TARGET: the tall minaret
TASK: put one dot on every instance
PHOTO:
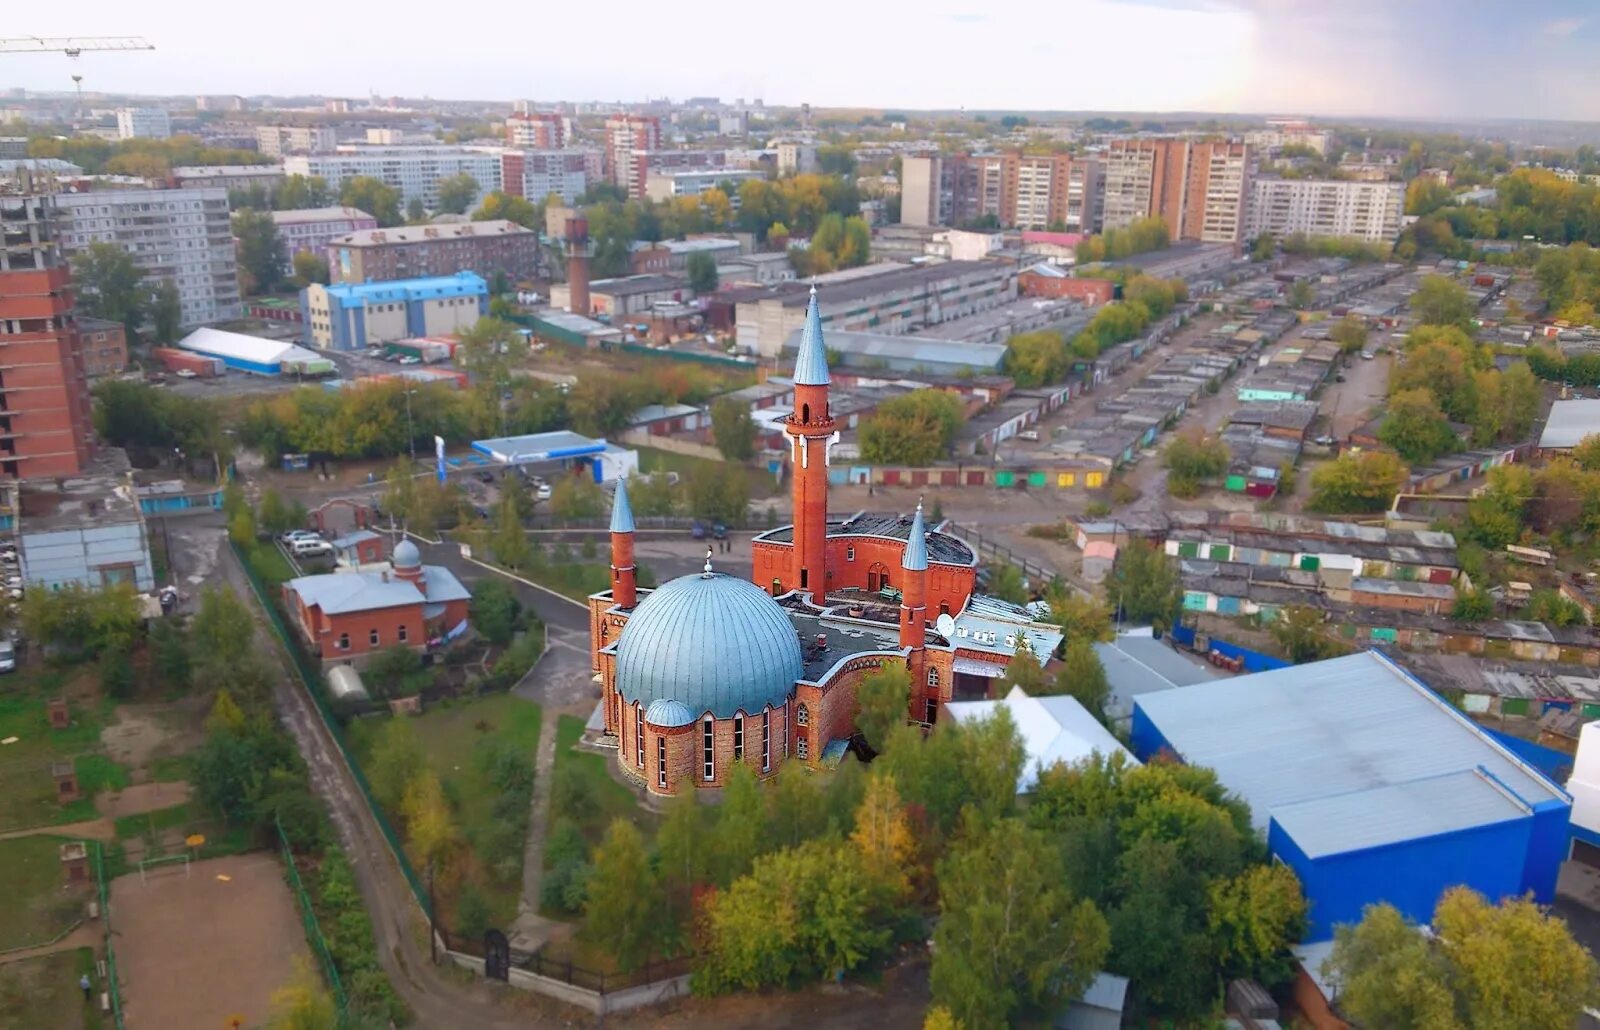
(810, 427)
(624, 586)
(914, 603)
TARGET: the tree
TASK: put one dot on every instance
(1191, 458)
(300, 191)
(456, 193)
(416, 211)
(1393, 975)
(732, 429)
(702, 272)
(110, 286)
(169, 654)
(1253, 917)
(1350, 333)
(1078, 615)
(1302, 294)
(623, 913)
(1357, 482)
(226, 716)
(397, 757)
(915, 428)
(1145, 584)
(1264, 247)
(396, 671)
(494, 610)
(261, 255)
(79, 621)
(1416, 428)
(1023, 670)
(499, 205)
(683, 852)
(429, 829)
(273, 513)
(166, 313)
(1299, 632)
(1082, 676)
(310, 268)
(577, 497)
(223, 632)
(1472, 606)
(882, 700)
(1011, 940)
(883, 839)
(1038, 358)
(372, 196)
(1446, 371)
(719, 493)
(303, 1003)
(1442, 301)
(738, 836)
(510, 540)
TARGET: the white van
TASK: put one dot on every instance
(305, 548)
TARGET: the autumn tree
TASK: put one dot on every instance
(1416, 428)
(1083, 676)
(429, 829)
(1145, 584)
(732, 429)
(1440, 300)
(1191, 458)
(1037, 358)
(916, 428)
(719, 493)
(110, 285)
(1299, 631)
(510, 539)
(1357, 482)
(1253, 917)
(702, 271)
(166, 313)
(881, 703)
(623, 913)
(310, 268)
(261, 254)
(456, 193)
(498, 205)
(371, 195)
(1025, 671)
(1350, 333)
(223, 633)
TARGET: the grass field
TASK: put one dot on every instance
(38, 907)
(607, 798)
(27, 791)
(43, 993)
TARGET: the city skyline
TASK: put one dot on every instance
(1364, 58)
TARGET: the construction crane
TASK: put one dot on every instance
(72, 46)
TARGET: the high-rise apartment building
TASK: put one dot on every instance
(282, 140)
(143, 123)
(1198, 187)
(184, 236)
(535, 174)
(310, 230)
(45, 427)
(414, 171)
(632, 175)
(536, 131)
(626, 133)
(1326, 207)
(920, 179)
(796, 157)
(1086, 196)
(1027, 191)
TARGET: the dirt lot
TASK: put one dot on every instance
(197, 950)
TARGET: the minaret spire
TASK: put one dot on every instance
(624, 579)
(810, 428)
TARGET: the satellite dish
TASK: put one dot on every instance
(945, 625)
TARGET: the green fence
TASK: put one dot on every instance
(105, 920)
(308, 918)
(311, 678)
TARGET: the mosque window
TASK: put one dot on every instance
(933, 677)
(849, 554)
(344, 641)
(738, 738)
(932, 712)
(805, 413)
(403, 633)
(638, 732)
(803, 716)
(708, 757)
(661, 762)
(801, 751)
(766, 740)
(372, 637)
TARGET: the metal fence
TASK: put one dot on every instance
(308, 919)
(105, 920)
(311, 677)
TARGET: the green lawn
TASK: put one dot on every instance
(27, 791)
(37, 905)
(762, 483)
(43, 992)
(607, 798)
(269, 564)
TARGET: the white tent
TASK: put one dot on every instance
(1053, 729)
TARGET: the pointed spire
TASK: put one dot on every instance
(916, 557)
(621, 510)
(811, 365)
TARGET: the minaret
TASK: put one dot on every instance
(914, 602)
(624, 588)
(809, 428)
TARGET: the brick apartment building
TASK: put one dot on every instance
(1200, 188)
(408, 252)
(626, 133)
(634, 169)
(105, 346)
(311, 230)
(45, 427)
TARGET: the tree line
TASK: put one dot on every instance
(145, 158)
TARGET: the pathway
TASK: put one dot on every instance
(94, 829)
(530, 930)
(86, 935)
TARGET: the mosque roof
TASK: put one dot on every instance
(811, 363)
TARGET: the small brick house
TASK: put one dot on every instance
(346, 616)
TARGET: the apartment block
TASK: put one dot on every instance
(626, 133)
(1026, 191)
(353, 316)
(1326, 207)
(536, 131)
(184, 236)
(282, 140)
(45, 427)
(228, 176)
(693, 182)
(636, 166)
(796, 157)
(1272, 140)
(1198, 187)
(1086, 196)
(920, 182)
(143, 123)
(414, 171)
(105, 346)
(311, 230)
(535, 174)
(418, 251)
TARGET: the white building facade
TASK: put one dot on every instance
(280, 140)
(312, 229)
(414, 171)
(143, 123)
(691, 182)
(1326, 207)
(182, 235)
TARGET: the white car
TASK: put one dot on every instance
(186, 373)
(410, 359)
(299, 534)
(542, 492)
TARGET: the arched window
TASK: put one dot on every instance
(638, 732)
(738, 736)
(802, 716)
(766, 738)
(707, 756)
(805, 413)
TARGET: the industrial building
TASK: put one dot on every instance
(868, 351)
(85, 529)
(1367, 784)
(256, 355)
(1054, 730)
(353, 316)
(1570, 422)
(414, 251)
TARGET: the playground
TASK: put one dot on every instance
(202, 942)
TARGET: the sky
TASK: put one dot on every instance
(1399, 58)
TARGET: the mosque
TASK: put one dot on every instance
(707, 670)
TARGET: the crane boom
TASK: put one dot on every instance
(72, 46)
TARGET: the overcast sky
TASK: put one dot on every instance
(1448, 58)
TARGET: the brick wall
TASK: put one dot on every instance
(1086, 291)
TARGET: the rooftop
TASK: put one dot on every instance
(462, 284)
(633, 285)
(534, 447)
(318, 214)
(839, 640)
(1569, 423)
(103, 494)
(342, 592)
(866, 347)
(869, 282)
(1054, 730)
(943, 548)
(1137, 663)
(1357, 728)
(429, 233)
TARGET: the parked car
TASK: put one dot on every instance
(299, 534)
(1028, 434)
(485, 476)
(313, 548)
(541, 491)
(186, 373)
(1367, 355)
(410, 359)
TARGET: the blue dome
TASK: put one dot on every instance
(714, 643)
(406, 555)
(664, 713)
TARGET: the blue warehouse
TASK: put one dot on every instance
(1368, 784)
(353, 316)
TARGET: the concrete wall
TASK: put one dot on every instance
(590, 1001)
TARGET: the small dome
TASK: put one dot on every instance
(711, 643)
(668, 714)
(406, 555)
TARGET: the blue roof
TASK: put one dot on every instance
(811, 365)
(915, 558)
(462, 284)
(668, 714)
(621, 510)
(535, 447)
(336, 592)
(715, 643)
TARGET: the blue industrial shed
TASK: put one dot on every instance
(347, 305)
(1368, 784)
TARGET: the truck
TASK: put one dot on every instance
(175, 360)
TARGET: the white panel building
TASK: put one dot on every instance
(414, 171)
(143, 123)
(1326, 207)
(183, 235)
